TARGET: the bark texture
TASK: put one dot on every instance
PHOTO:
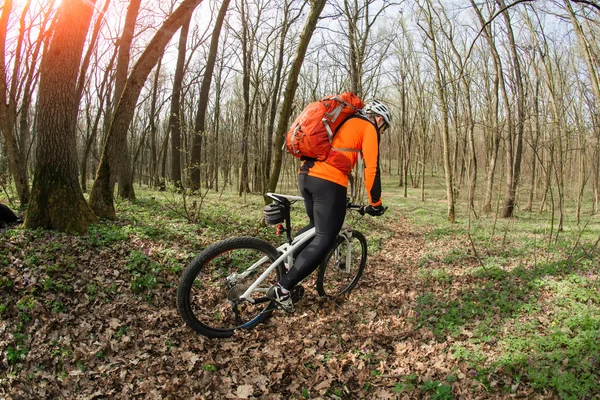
(56, 198)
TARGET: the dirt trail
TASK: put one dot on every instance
(366, 346)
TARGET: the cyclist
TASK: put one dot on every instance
(324, 189)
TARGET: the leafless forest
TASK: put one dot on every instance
(502, 99)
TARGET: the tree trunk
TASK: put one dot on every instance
(499, 83)
(123, 173)
(587, 51)
(534, 147)
(514, 160)
(82, 81)
(8, 115)
(175, 115)
(101, 198)
(200, 123)
(217, 150)
(162, 182)
(596, 168)
(56, 198)
(290, 90)
(277, 89)
(94, 130)
(352, 19)
(405, 135)
(31, 79)
(548, 180)
(246, 65)
(442, 96)
(153, 128)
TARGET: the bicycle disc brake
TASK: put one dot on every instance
(234, 300)
(235, 293)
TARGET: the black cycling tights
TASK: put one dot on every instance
(325, 204)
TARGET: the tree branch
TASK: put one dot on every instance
(489, 22)
(589, 3)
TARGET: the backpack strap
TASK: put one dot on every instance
(343, 149)
(294, 151)
(333, 116)
(335, 113)
(357, 115)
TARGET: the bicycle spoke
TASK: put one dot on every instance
(336, 275)
(210, 303)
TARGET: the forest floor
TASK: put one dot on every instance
(94, 317)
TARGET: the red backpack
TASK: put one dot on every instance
(312, 132)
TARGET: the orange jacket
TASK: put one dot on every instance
(359, 134)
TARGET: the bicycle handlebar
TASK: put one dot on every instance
(289, 199)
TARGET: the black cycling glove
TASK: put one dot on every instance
(375, 210)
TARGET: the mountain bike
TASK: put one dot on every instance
(223, 289)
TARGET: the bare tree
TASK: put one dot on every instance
(121, 155)
(469, 119)
(247, 50)
(514, 144)
(82, 80)
(8, 116)
(440, 81)
(175, 115)
(535, 133)
(404, 50)
(101, 198)
(292, 84)
(593, 64)
(554, 86)
(286, 23)
(499, 85)
(153, 124)
(93, 127)
(15, 100)
(200, 123)
(56, 198)
(364, 52)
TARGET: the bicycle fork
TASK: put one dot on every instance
(345, 233)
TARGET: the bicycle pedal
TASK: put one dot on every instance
(297, 293)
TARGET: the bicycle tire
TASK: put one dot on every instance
(334, 280)
(203, 294)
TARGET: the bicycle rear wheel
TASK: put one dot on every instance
(208, 295)
(342, 268)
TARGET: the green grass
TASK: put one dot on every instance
(519, 300)
(528, 291)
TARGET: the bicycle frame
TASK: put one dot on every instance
(287, 249)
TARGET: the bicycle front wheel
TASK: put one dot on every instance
(210, 287)
(342, 268)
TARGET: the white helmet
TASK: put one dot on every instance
(377, 107)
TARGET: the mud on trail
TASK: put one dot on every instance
(109, 343)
